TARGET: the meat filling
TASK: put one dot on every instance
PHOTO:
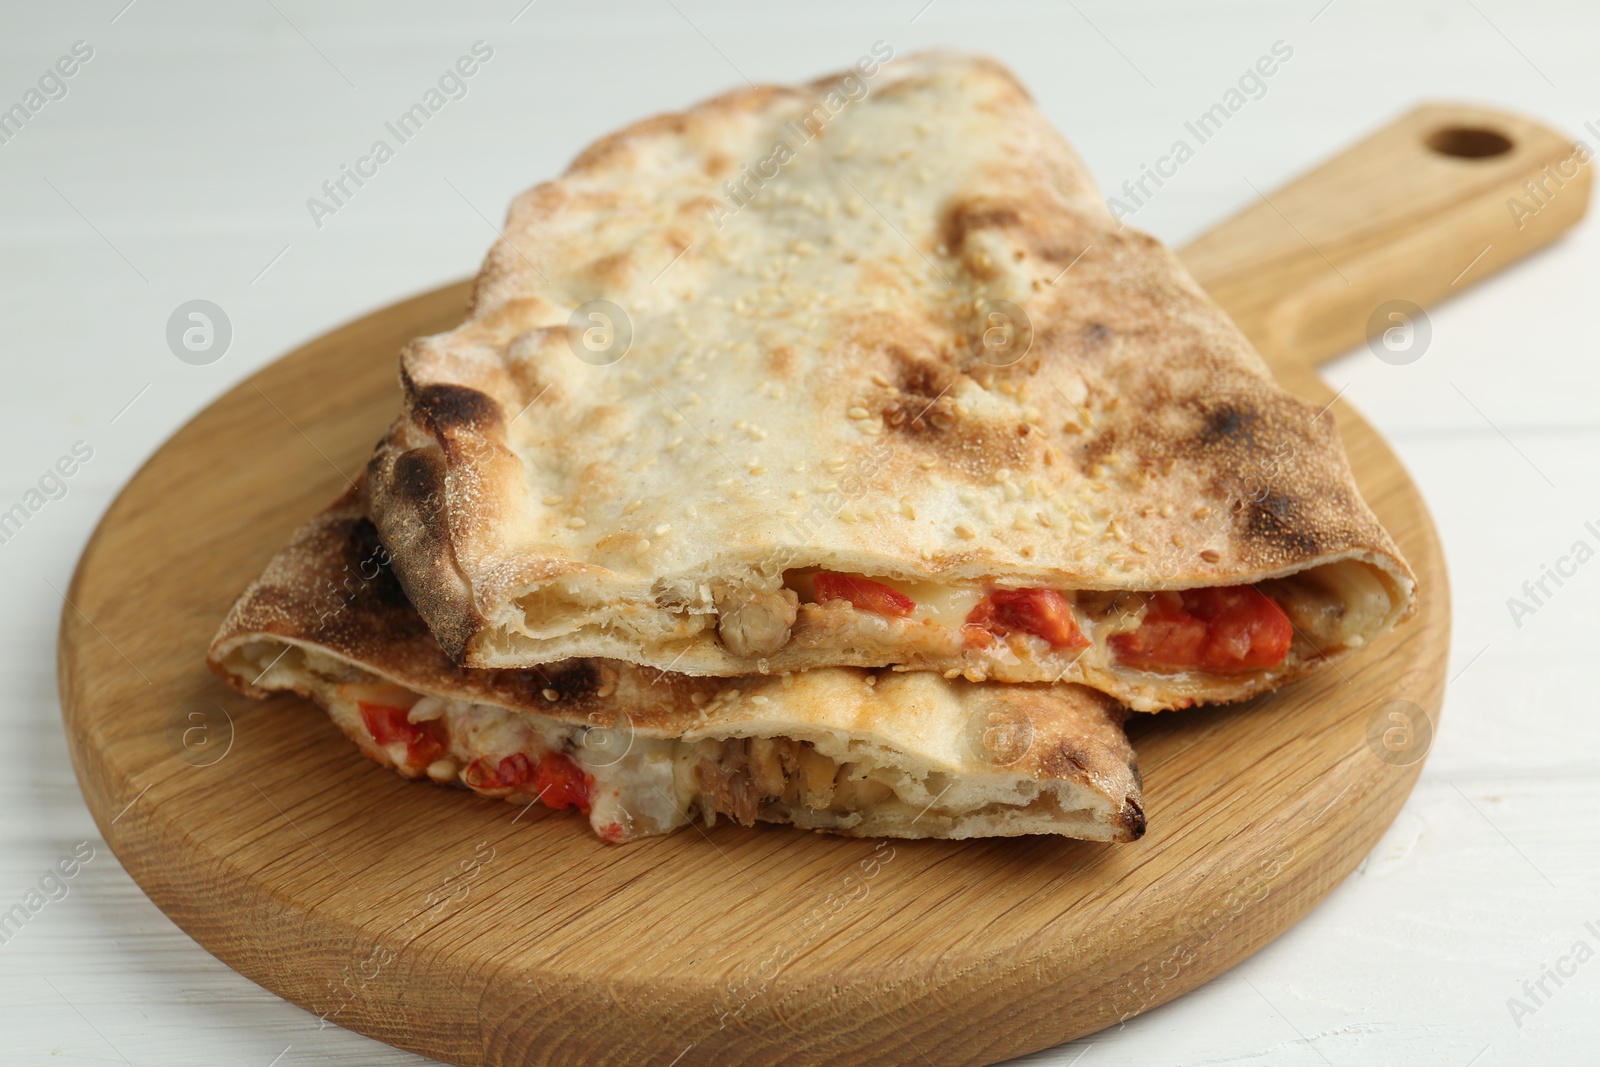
(741, 774)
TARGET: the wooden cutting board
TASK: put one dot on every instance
(466, 930)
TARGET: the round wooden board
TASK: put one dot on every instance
(460, 928)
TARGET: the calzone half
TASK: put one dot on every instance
(641, 751)
(863, 373)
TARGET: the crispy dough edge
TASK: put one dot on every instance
(408, 487)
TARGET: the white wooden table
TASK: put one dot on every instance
(178, 164)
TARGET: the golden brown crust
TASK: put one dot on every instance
(807, 385)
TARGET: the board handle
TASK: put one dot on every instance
(1425, 207)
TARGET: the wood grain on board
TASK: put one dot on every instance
(456, 927)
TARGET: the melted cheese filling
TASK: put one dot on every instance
(1334, 606)
(941, 605)
(651, 785)
(644, 785)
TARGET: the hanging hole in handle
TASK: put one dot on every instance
(1469, 142)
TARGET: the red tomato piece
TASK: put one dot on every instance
(515, 769)
(863, 593)
(1042, 612)
(481, 774)
(554, 778)
(426, 744)
(424, 741)
(386, 725)
(560, 783)
(1227, 628)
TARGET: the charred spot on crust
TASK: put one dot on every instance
(333, 586)
(919, 406)
(573, 680)
(918, 377)
(1064, 761)
(564, 687)
(1132, 819)
(965, 216)
(409, 505)
(445, 407)
(416, 479)
(923, 414)
(366, 563)
(1228, 425)
(1277, 519)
